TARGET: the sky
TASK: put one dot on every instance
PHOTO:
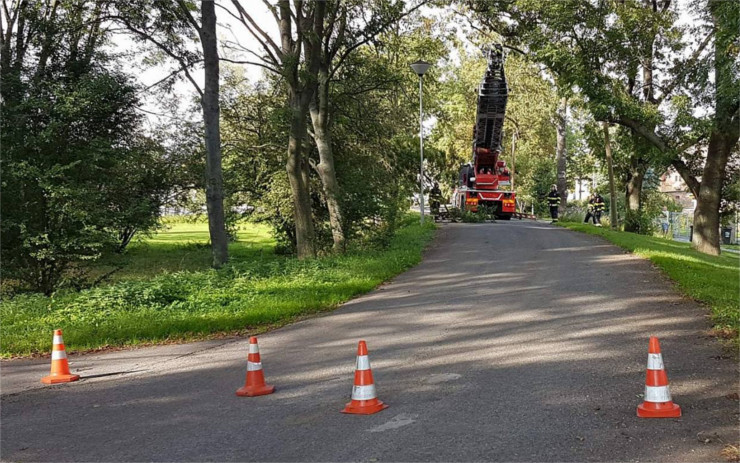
(230, 32)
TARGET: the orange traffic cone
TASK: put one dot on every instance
(255, 384)
(364, 399)
(657, 402)
(59, 366)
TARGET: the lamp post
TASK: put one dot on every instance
(420, 67)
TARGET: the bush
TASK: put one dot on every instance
(77, 178)
(575, 211)
(641, 222)
(245, 294)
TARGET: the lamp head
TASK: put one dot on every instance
(420, 67)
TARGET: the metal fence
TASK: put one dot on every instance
(681, 225)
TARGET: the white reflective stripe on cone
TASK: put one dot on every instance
(655, 362)
(657, 394)
(363, 362)
(58, 355)
(57, 339)
(253, 366)
(254, 349)
(363, 392)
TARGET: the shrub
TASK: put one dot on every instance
(243, 294)
(80, 178)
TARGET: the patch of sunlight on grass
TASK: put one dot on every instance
(167, 291)
(178, 247)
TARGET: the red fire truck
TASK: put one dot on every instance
(486, 182)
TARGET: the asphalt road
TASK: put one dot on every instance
(512, 341)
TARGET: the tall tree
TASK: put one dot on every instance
(329, 33)
(725, 129)
(350, 25)
(613, 222)
(561, 150)
(372, 119)
(168, 26)
(591, 46)
(211, 119)
(297, 59)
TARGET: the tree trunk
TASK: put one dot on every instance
(325, 168)
(706, 214)
(301, 81)
(211, 117)
(610, 168)
(48, 42)
(722, 140)
(633, 194)
(299, 187)
(562, 130)
(634, 190)
(724, 135)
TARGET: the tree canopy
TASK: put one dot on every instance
(322, 143)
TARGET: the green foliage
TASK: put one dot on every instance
(575, 212)
(374, 114)
(645, 220)
(78, 177)
(540, 177)
(85, 182)
(582, 163)
(257, 289)
(640, 222)
(731, 191)
(472, 217)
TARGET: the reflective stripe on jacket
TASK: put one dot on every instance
(599, 205)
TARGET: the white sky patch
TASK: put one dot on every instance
(235, 42)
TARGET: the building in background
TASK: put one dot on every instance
(672, 185)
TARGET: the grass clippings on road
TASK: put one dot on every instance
(150, 303)
(713, 280)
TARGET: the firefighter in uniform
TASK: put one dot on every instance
(553, 200)
(590, 211)
(435, 199)
(598, 209)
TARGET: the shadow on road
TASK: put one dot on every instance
(510, 342)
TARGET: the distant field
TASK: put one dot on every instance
(167, 292)
(709, 279)
(181, 246)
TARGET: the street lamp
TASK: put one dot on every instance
(420, 67)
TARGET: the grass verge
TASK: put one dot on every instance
(256, 290)
(712, 280)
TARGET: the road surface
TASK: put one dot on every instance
(515, 341)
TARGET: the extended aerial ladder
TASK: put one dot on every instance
(486, 181)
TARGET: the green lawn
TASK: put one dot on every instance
(181, 246)
(712, 280)
(167, 292)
